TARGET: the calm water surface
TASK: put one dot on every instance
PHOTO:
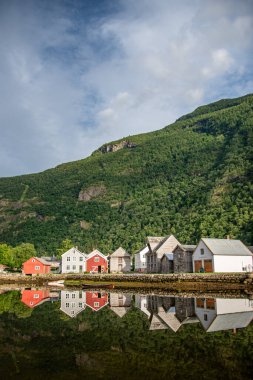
(66, 334)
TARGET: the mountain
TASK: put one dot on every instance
(192, 178)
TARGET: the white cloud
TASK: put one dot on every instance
(70, 84)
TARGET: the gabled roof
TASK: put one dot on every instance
(95, 252)
(74, 250)
(185, 247)
(227, 247)
(154, 240)
(120, 252)
(43, 261)
(169, 256)
(169, 238)
(230, 321)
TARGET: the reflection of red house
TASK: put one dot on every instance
(36, 265)
(96, 262)
(33, 298)
(96, 300)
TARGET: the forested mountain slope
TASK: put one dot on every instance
(192, 178)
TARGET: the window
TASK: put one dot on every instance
(73, 304)
(37, 267)
(74, 267)
(73, 295)
(74, 258)
(68, 267)
(202, 251)
(36, 296)
(31, 303)
(67, 295)
(120, 260)
(80, 304)
(96, 304)
(81, 258)
(68, 258)
(96, 259)
(67, 304)
(33, 260)
(205, 317)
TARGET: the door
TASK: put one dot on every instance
(99, 269)
(80, 268)
(208, 266)
(197, 265)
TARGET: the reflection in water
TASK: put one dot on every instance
(47, 334)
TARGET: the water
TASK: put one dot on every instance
(66, 334)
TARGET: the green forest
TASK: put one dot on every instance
(192, 178)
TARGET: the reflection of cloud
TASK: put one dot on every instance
(100, 72)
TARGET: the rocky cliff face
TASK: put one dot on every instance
(90, 193)
(114, 147)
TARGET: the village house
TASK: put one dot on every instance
(158, 246)
(140, 260)
(96, 262)
(182, 258)
(120, 303)
(223, 314)
(36, 265)
(73, 302)
(221, 255)
(120, 261)
(73, 261)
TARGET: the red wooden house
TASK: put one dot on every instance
(33, 298)
(36, 265)
(96, 300)
(96, 262)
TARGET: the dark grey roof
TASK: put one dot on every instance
(227, 247)
(188, 247)
(43, 261)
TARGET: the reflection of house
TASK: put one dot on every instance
(222, 255)
(158, 246)
(182, 256)
(120, 261)
(223, 314)
(73, 302)
(170, 312)
(36, 265)
(73, 261)
(120, 303)
(96, 262)
(35, 297)
(141, 301)
(140, 260)
(96, 300)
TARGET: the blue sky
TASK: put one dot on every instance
(77, 74)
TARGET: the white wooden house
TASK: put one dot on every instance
(140, 260)
(73, 302)
(73, 261)
(221, 255)
(120, 261)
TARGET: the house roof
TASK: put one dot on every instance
(226, 247)
(95, 252)
(169, 256)
(43, 261)
(185, 247)
(169, 238)
(120, 252)
(69, 251)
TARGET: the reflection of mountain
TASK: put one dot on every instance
(223, 314)
(170, 312)
(120, 303)
(75, 301)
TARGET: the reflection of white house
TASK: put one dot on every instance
(141, 301)
(73, 261)
(140, 264)
(120, 303)
(73, 302)
(223, 314)
(222, 255)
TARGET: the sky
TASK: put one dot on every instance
(75, 74)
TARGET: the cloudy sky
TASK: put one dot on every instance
(75, 74)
